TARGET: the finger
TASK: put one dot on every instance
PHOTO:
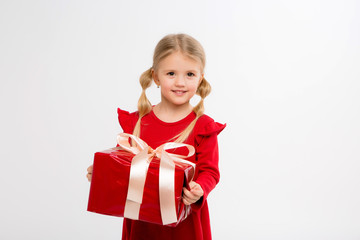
(186, 202)
(197, 190)
(90, 169)
(192, 184)
(190, 197)
(88, 176)
(190, 200)
(186, 192)
(196, 193)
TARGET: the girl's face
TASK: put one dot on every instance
(179, 77)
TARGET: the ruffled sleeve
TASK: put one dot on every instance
(207, 156)
(211, 128)
(127, 120)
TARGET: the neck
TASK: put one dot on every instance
(170, 113)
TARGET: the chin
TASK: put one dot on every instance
(178, 103)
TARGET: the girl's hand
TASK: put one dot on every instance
(90, 170)
(195, 193)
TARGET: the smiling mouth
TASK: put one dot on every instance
(178, 92)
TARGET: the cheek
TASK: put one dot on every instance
(165, 84)
(194, 85)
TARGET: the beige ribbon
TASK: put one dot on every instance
(138, 170)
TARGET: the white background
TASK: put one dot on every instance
(285, 77)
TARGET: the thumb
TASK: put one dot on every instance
(192, 184)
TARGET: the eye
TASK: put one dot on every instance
(190, 74)
(171, 73)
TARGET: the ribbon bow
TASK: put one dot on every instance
(138, 170)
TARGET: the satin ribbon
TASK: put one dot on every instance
(138, 170)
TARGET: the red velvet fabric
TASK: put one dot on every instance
(204, 138)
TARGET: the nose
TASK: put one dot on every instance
(179, 81)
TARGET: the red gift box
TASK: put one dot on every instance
(140, 183)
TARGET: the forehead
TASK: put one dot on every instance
(180, 61)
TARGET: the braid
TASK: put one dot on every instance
(144, 105)
(203, 91)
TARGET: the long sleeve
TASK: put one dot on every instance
(207, 159)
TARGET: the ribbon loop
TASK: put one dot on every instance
(123, 141)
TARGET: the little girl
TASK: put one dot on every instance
(178, 70)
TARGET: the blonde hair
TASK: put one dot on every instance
(169, 44)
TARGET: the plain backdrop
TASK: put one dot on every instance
(285, 78)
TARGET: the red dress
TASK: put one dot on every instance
(204, 138)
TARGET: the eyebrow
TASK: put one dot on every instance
(171, 70)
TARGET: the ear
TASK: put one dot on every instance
(155, 77)
(201, 78)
